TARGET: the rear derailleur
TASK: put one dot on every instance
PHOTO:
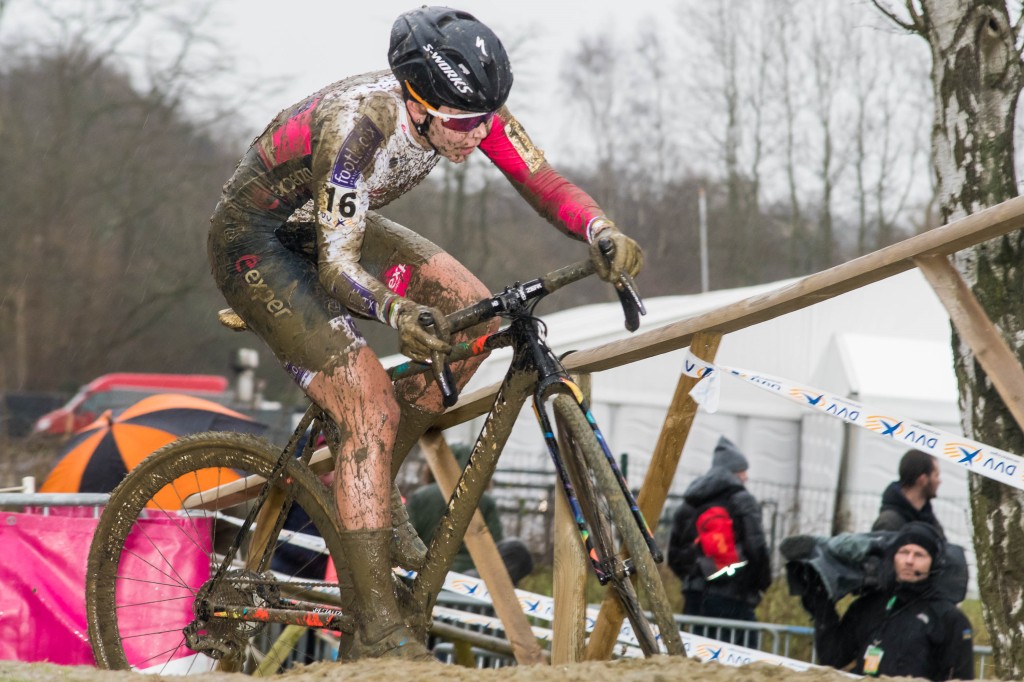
(226, 638)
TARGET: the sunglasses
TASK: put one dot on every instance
(462, 123)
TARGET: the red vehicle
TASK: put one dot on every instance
(111, 391)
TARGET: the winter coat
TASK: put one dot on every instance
(721, 487)
(896, 511)
(427, 505)
(921, 634)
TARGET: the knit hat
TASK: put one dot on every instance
(728, 456)
(922, 534)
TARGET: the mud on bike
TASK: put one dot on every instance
(177, 578)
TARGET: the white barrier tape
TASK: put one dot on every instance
(711, 650)
(534, 605)
(702, 648)
(968, 454)
(491, 623)
(707, 389)
(543, 607)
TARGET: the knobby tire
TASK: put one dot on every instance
(605, 502)
(112, 567)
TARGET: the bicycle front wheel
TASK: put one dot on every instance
(607, 505)
(151, 556)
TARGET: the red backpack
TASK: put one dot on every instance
(717, 541)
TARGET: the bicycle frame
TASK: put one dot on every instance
(535, 371)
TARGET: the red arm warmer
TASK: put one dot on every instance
(562, 203)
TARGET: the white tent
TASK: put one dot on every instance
(806, 466)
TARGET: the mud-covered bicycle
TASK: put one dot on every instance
(178, 578)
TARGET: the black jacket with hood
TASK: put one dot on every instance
(721, 487)
(896, 511)
(918, 628)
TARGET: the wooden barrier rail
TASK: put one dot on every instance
(821, 286)
(929, 251)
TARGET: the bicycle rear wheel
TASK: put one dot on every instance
(151, 556)
(604, 506)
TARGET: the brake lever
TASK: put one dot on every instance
(440, 366)
(632, 305)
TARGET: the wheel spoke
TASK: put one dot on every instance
(149, 562)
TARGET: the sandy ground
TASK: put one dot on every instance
(659, 669)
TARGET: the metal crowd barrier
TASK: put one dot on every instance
(753, 635)
(777, 639)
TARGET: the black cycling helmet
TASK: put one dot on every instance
(449, 58)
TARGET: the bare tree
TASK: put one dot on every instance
(591, 76)
(976, 78)
(888, 142)
(785, 29)
(728, 98)
(104, 208)
(827, 70)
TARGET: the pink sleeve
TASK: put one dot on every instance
(562, 203)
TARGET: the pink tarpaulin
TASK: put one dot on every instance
(42, 583)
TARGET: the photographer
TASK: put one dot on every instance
(910, 627)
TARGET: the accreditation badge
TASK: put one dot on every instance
(872, 659)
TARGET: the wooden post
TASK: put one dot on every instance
(990, 350)
(654, 490)
(463, 653)
(485, 555)
(569, 581)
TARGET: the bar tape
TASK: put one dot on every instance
(968, 454)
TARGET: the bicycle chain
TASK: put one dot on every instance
(306, 584)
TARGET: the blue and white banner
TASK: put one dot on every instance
(971, 455)
(543, 608)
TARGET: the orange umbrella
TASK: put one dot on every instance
(98, 456)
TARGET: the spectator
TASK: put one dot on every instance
(910, 498)
(910, 627)
(427, 505)
(730, 585)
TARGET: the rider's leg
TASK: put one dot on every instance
(312, 335)
(381, 629)
(446, 284)
(415, 267)
(359, 397)
(407, 549)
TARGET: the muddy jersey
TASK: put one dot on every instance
(348, 149)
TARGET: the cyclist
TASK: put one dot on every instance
(323, 165)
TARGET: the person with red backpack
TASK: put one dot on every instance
(718, 547)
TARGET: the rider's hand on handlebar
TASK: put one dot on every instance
(627, 258)
(417, 342)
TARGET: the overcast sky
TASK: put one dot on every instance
(315, 42)
(302, 45)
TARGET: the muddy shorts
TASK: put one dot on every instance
(268, 274)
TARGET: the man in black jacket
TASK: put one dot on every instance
(711, 589)
(910, 498)
(910, 628)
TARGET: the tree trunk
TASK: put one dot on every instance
(976, 77)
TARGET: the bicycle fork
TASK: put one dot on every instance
(599, 563)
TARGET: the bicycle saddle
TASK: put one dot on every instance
(230, 319)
